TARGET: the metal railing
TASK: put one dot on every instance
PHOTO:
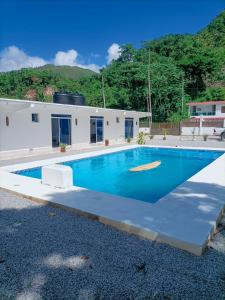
(203, 114)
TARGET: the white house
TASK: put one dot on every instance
(209, 109)
(205, 117)
(27, 126)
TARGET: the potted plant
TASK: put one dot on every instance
(62, 147)
(165, 131)
(205, 137)
(129, 139)
(141, 138)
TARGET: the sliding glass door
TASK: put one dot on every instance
(61, 130)
(129, 128)
(96, 129)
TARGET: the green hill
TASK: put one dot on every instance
(40, 83)
(75, 73)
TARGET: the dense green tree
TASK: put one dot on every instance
(188, 53)
(212, 94)
(214, 34)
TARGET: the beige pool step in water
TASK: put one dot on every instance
(146, 167)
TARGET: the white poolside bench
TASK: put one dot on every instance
(59, 176)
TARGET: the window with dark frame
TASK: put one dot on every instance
(35, 118)
(223, 109)
(194, 109)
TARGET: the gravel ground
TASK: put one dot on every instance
(46, 253)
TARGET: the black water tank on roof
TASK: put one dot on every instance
(68, 98)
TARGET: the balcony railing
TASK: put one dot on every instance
(203, 113)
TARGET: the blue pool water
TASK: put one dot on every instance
(110, 173)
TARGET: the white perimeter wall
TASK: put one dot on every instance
(198, 131)
(204, 130)
(22, 133)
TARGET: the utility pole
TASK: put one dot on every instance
(182, 95)
(149, 98)
(103, 91)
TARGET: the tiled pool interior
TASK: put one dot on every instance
(110, 173)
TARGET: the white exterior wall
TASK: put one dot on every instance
(24, 135)
(113, 132)
(218, 110)
(145, 130)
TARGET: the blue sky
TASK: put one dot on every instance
(43, 28)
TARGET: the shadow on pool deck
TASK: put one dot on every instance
(174, 219)
(49, 254)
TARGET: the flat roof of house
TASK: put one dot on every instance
(22, 102)
(206, 103)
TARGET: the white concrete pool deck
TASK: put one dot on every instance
(184, 218)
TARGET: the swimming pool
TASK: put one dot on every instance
(110, 173)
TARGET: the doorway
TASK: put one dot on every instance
(61, 130)
(96, 129)
(129, 128)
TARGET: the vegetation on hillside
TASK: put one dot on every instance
(41, 83)
(68, 71)
(188, 65)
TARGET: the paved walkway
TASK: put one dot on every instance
(46, 253)
(184, 141)
(52, 154)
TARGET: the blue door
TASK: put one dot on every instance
(61, 130)
(129, 128)
(99, 130)
(65, 136)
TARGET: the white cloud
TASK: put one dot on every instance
(92, 67)
(113, 52)
(66, 58)
(13, 58)
(69, 58)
